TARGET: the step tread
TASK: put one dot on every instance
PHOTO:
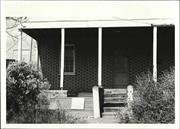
(108, 113)
(114, 107)
(111, 109)
(115, 97)
(115, 101)
(113, 91)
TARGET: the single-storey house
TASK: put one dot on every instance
(77, 55)
(107, 53)
(104, 50)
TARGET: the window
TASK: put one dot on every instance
(69, 66)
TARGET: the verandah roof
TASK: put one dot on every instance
(96, 23)
(94, 13)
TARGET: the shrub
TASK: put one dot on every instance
(154, 101)
(124, 115)
(54, 116)
(45, 115)
(24, 83)
(25, 97)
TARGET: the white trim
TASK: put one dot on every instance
(83, 24)
(62, 57)
(155, 53)
(20, 46)
(99, 56)
(74, 60)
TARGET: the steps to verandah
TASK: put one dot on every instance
(114, 101)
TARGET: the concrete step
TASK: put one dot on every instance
(116, 98)
(115, 101)
(104, 114)
(114, 104)
(113, 109)
(114, 91)
(115, 95)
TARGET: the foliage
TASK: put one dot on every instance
(124, 115)
(24, 83)
(54, 116)
(25, 97)
(40, 115)
(154, 101)
(12, 24)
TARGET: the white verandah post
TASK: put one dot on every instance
(20, 46)
(30, 53)
(62, 57)
(155, 53)
(100, 56)
(37, 56)
(96, 89)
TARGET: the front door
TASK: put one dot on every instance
(120, 70)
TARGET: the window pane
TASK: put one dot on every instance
(69, 59)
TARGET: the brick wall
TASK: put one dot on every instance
(136, 47)
(85, 55)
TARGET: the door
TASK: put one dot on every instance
(120, 70)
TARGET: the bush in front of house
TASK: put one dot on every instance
(25, 97)
(124, 115)
(24, 83)
(59, 115)
(154, 102)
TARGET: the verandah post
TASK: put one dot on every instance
(37, 56)
(30, 53)
(98, 90)
(62, 57)
(155, 53)
(96, 104)
(20, 46)
(100, 56)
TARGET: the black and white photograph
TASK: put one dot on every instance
(90, 64)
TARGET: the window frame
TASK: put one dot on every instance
(74, 60)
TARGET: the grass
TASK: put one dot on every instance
(44, 116)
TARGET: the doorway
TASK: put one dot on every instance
(120, 70)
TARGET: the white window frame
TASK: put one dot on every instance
(74, 60)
